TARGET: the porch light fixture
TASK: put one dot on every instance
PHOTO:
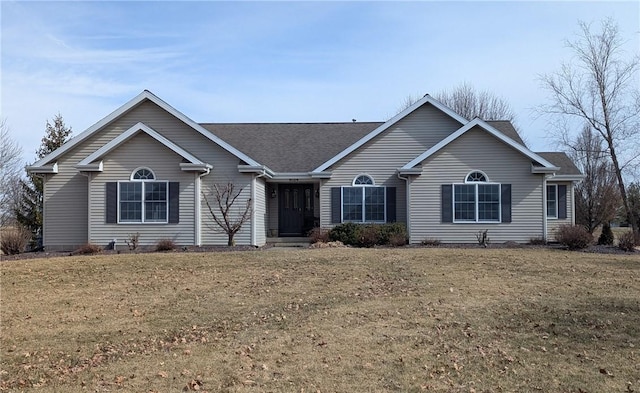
(318, 193)
(273, 193)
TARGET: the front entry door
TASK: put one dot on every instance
(295, 207)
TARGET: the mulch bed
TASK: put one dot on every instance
(598, 249)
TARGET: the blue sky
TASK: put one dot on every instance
(282, 61)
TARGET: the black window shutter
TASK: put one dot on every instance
(111, 199)
(562, 201)
(505, 190)
(447, 203)
(336, 205)
(391, 204)
(174, 202)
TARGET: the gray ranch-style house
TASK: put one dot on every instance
(145, 167)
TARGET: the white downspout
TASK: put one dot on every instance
(407, 203)
(573, 203)
(198, 218)
(254, 219)
(544, 208)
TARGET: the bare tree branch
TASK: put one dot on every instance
(11, 167)
(228, 219)
(599, 88)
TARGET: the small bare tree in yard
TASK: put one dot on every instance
(597, 197)
(228, 216)
(600, 88)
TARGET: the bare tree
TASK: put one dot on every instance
(469, 103)
(228, 219)
(599, 87)
(11, 167)
(597, 197)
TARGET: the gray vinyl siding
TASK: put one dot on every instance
(554, 223)
(383, 155)
(66, 199)
(142, 151)
(65, 211)
(476, 150)
(261, 212)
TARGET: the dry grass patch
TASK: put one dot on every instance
(343, 319)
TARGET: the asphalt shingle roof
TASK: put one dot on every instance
(505, 127)
(562, 160)
(302, 147)
(291, 147)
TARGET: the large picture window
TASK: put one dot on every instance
(476, 200)
(143, 199)
(364, 201)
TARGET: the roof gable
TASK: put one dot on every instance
(427, 99)
(145, 95)
(492, 131)
(86, 163)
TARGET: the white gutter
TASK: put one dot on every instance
(198, 202)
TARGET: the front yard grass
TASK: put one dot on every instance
(408, 320)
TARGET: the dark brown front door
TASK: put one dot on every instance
(295, 207)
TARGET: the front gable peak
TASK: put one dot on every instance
(44, 163)
(427, 99)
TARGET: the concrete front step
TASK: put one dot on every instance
(288, 241)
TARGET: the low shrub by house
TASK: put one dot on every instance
(319, 235)
(165, 245)
(628, 241)
(574, 237)
(14, 240)
(370, 235)
(88, 249)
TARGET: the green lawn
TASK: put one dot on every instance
(422, 319)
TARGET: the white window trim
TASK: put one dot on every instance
(474, 171)
(145, 168)
(476, 202)
(555, 192)
(363, 221)
(373, 182)
(142, 221)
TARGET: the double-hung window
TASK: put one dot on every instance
(477, 200)
(143, 199)
(552, 201)
(363, 202)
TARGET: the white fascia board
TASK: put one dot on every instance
(566, 178)
(90, 167)
(145, 95)
(42, 169)
(424, 100)
(544, 169)
(491, 130)
(128, 134)
(187, 166)
(410, 171)
(321, 175)
(260, 169)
